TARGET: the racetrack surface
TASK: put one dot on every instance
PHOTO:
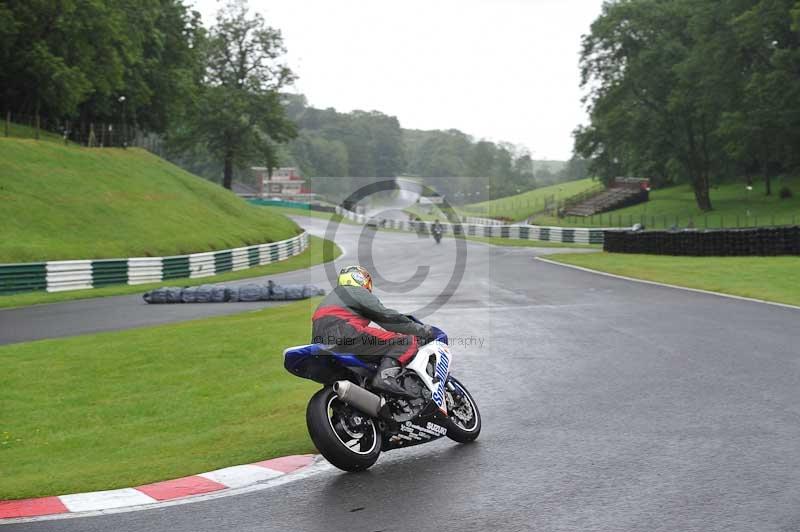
(125, 312)
(607, 405)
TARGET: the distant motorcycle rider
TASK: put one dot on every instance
(342, 320)
(437, 229)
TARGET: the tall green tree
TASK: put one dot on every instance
(78, 58)
(239, 115)
(693, 90)
(636, 63)
(762, 133)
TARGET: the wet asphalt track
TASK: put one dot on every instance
(607, 405)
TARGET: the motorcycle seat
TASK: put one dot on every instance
(308, 350)
(293, 356)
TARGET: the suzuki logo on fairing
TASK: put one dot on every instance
(441, 431)
(441, 373)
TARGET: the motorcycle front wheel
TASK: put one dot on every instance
(464, 418)
(347, 438)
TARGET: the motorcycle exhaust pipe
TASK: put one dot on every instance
(358, 397)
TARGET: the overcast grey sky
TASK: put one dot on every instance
(495, 69)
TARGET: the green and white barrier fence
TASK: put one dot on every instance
(62, 275)
(480, 221)
(520, 232)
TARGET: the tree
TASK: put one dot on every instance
(162, 79)
(698, 90)
(239, 115)
(646, 112)
(763, 131)
(77, 58)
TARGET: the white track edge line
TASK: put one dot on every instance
(319, 465)
(678, 287)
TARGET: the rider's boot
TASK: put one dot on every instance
(385, 379)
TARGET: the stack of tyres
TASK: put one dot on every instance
(712, 242)
(793, 240)
(740, 242)
(658, 241)
(736, 243)
(729, 243)
(686, 244)
(721, 242)
(778, 242)
(770, 243)
(756, 247)
(704, 242)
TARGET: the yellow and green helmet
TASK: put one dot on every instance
(355, 276)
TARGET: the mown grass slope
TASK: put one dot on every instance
(734, 206)
(766, 278)
(62, 202)
(519, 206)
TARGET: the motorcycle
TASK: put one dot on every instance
(437, 234)
(351, 425)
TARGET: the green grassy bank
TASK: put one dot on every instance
(734, 206)
(766, 278)
(126, 408)
(61, 202)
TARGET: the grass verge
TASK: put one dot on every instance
(519, 206)
(126, 408)
(734, 206)
(62, 202)
(513, 242)
(310, 257)
(767, 278)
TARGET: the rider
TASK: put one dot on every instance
(342, 319)
(437, 227)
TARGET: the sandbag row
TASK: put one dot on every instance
(232, 294)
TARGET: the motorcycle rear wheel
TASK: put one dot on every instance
(347, 438)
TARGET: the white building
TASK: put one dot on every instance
(285, 183)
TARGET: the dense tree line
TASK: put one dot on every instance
(356, 144)
(92, 60)
(438, 154)
(371, 144)
(217, 96)
(693, 91)
(213, 93)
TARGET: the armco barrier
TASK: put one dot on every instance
(322, 208)
(63, 275)
(720, 242)
(518, 232)
(279, 203)
(292, 204)
(480, 221)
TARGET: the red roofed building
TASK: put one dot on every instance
(285, 183)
